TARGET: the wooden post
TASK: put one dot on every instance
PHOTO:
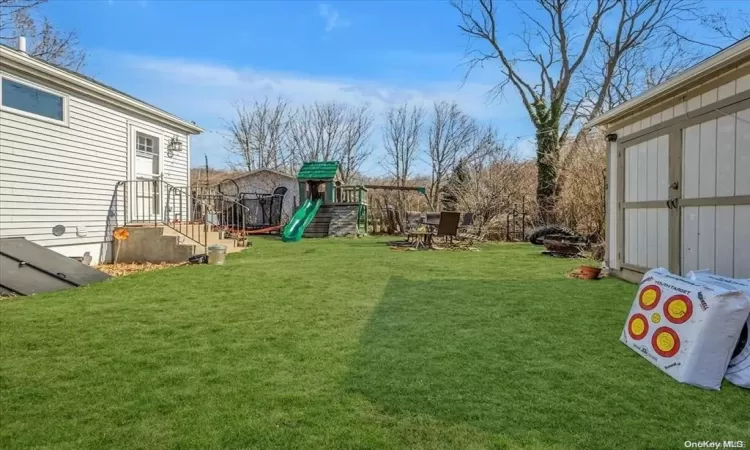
(329, 193)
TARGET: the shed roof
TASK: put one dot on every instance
(733, 55)
(263, 170)
(318, 170)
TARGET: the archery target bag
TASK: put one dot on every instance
(738, 370)
(688, 329)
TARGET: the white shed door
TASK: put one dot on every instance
(715, 212)
(645, 211)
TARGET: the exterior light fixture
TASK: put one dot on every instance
(174, 146)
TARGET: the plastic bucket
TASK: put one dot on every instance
(216, 254)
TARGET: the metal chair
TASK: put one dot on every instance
(432, 220)
(448, 226)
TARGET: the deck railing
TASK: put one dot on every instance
(158, 203)
(355, 194)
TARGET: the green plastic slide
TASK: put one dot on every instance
(300, 220)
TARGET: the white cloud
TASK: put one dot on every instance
(331, 17)
(205, 91)
(215, 86)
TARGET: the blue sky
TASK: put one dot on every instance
(195, 58)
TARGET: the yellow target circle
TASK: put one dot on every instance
(655, 317)
(666, 342)
(677, 309)
(638, 326)
(649, 297)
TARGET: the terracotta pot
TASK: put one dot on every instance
(590, 272)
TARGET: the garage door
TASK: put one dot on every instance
(715, 201)
(645, 211)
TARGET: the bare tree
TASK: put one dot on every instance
(401, 139)
(317, 131)
(563, 44)
(355, 145)
(61, 48)
(491, 185)
(448, 137)
(258, 134)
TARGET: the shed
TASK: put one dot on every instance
(267, 181)
(678, 172)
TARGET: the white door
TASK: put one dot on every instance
(147, 188)
(715, 203)
(645, 209)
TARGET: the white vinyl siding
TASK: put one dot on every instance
(647, 237)
(612, 210)
(716, 163)
(66, 174)
(682, 108)
(647, 170)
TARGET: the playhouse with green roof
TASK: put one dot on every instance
(327, 206)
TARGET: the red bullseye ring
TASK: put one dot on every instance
(649, 297)
(678, 309)
(665, 342)
(638, 326)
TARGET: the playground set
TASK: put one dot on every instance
(327, 206)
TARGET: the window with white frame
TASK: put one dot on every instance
(30, 100)
(146, 145)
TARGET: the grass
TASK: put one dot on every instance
(345, 344)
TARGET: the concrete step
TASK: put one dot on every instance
(211, 237)
(149, 244)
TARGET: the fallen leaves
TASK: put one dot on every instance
(123, 269)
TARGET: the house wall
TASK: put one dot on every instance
(54, 174)
(710, 156)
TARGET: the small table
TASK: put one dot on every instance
(421, 238)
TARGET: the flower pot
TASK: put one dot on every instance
(590, 272)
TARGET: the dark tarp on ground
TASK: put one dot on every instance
(27, 268)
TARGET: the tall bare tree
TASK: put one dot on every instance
(317, 131)
(258, 134)
(355, 145)
(449, 134)
(44, 41)
(552, 67)
(401, 139)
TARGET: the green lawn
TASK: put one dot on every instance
(345, 344)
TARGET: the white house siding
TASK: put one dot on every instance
(54, 174)
(694, 101)
(612, 183)
(716, 163)
(646, 179)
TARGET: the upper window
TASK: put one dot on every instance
(32, 100)
(145, 145)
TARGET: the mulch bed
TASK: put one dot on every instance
(123, 269)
